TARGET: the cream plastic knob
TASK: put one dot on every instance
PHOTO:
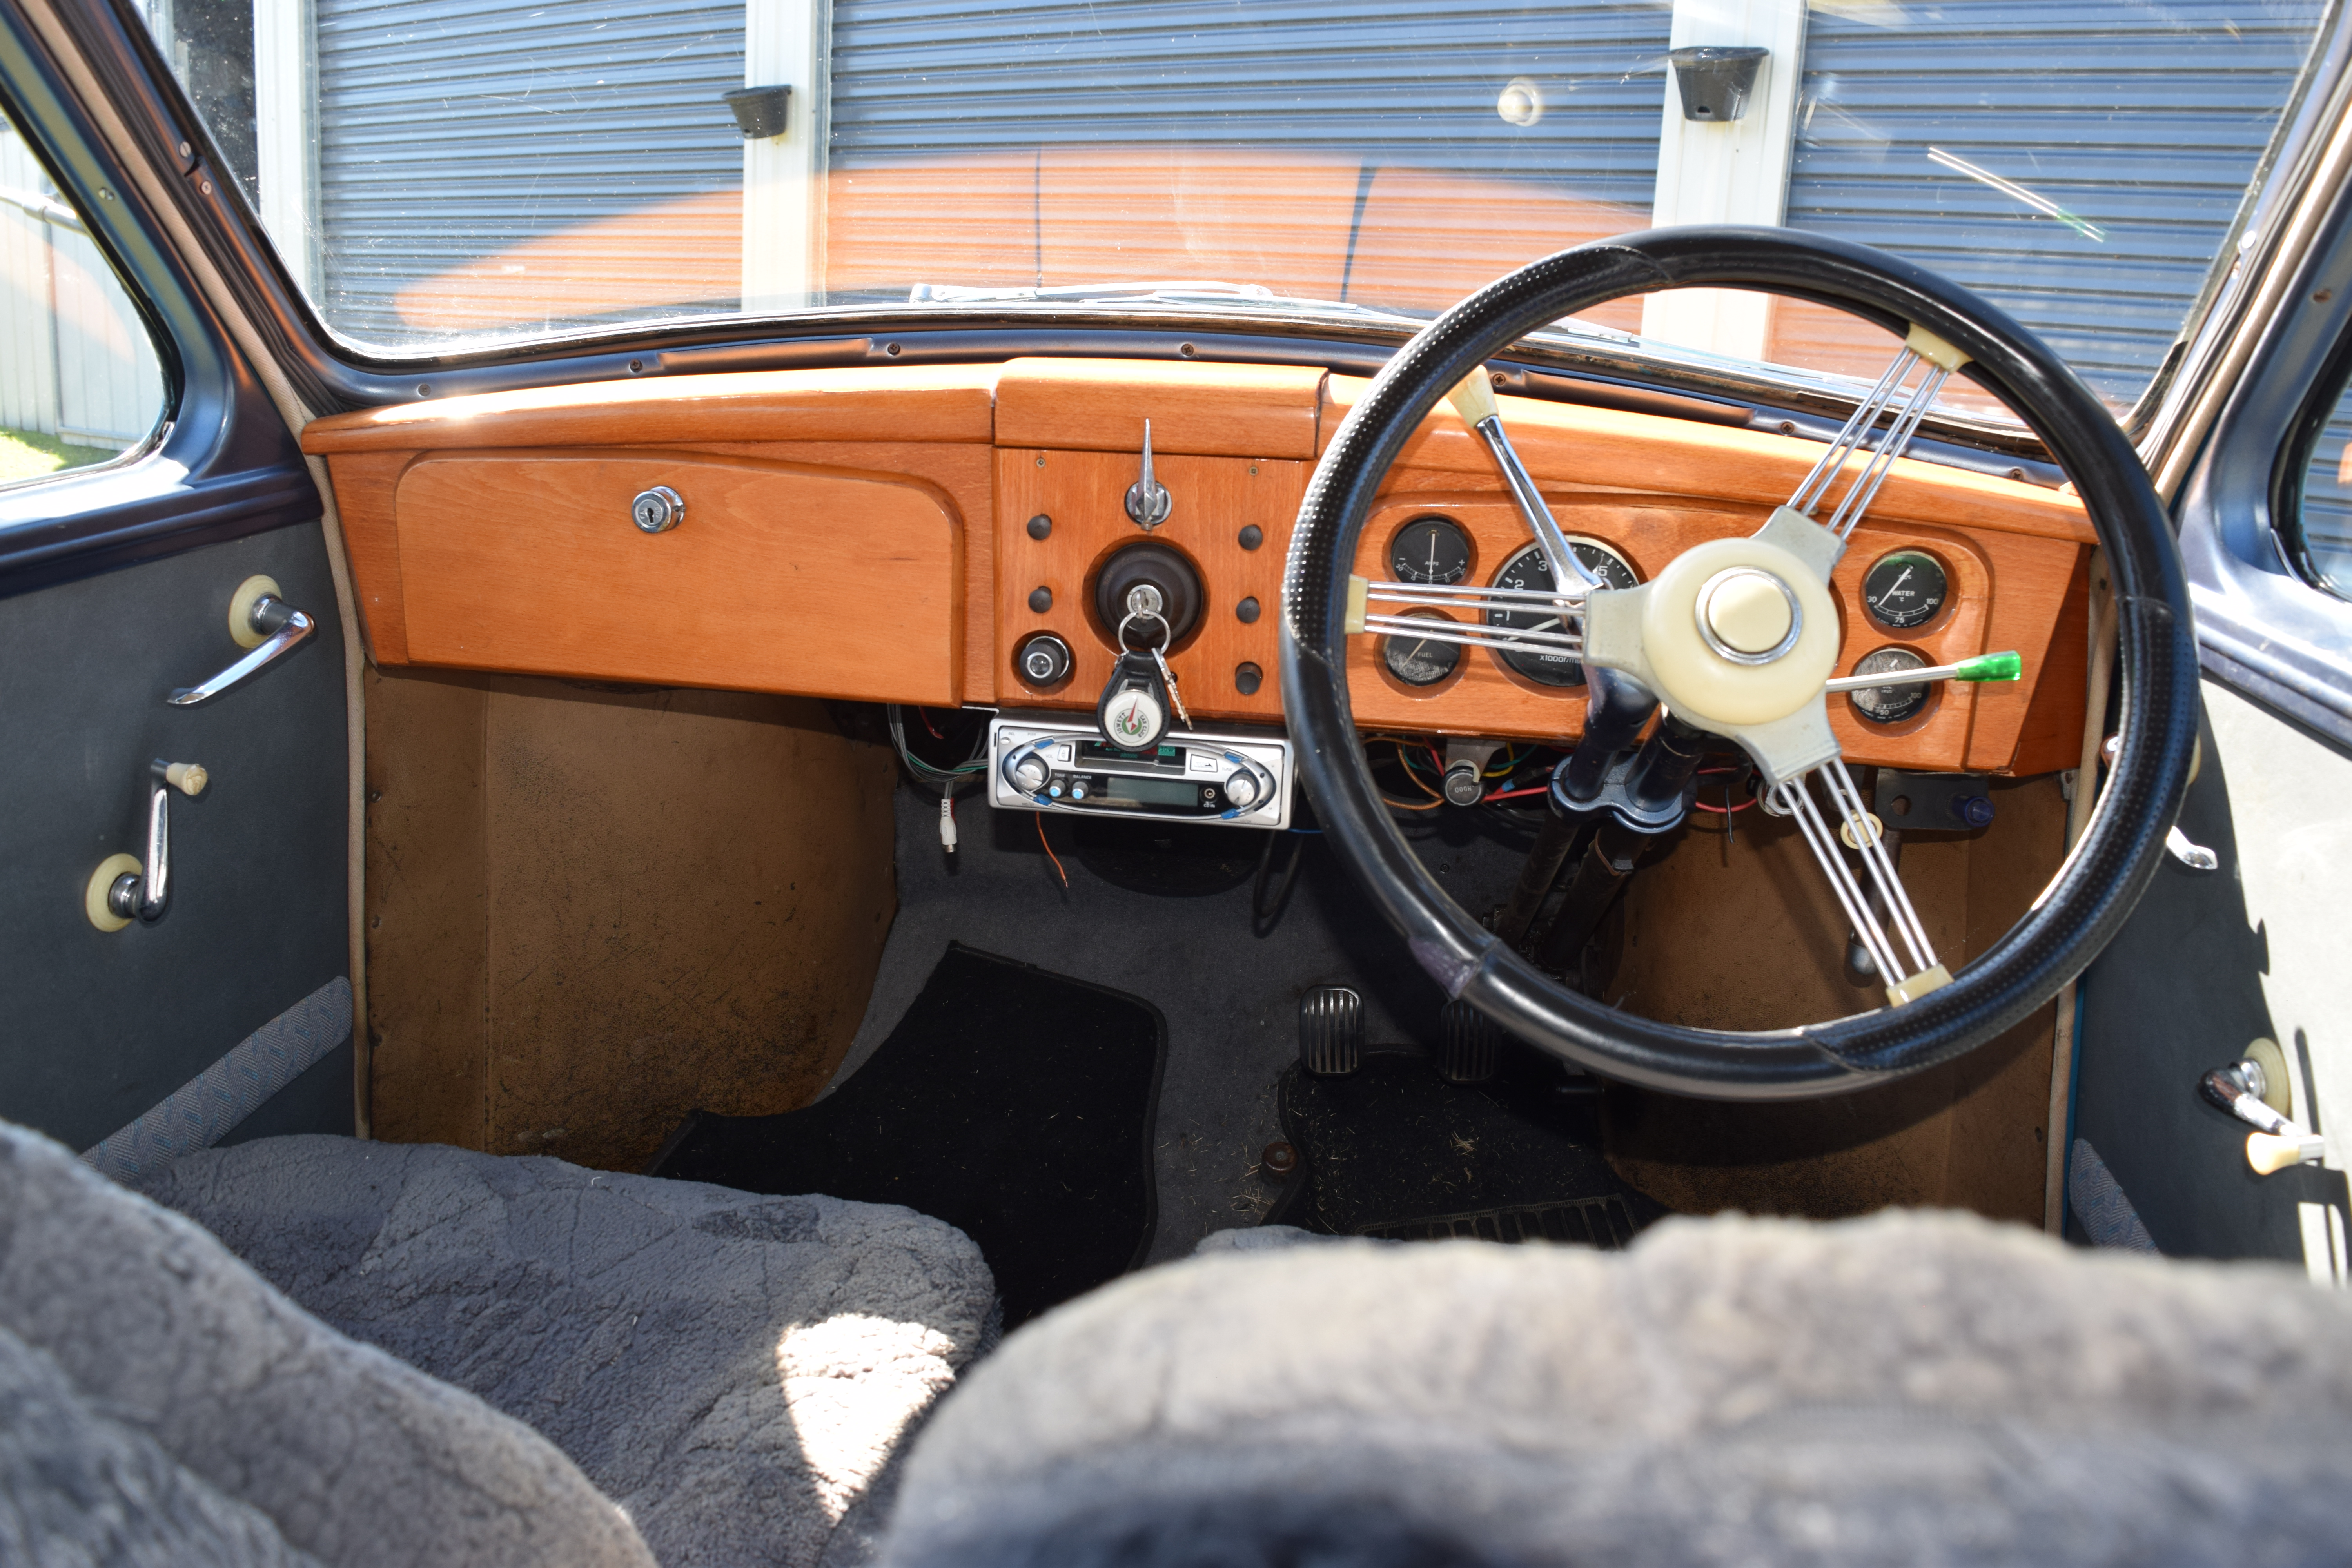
(2268, 1152)
(1749, 611)
(188, 778)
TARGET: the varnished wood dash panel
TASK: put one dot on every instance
(783, 577)
(909, 403)
(1215, 499)
(1202, 410)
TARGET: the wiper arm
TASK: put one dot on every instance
(1186, 291)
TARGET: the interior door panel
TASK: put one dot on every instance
(104, 1024)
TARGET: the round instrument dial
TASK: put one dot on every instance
(1906, 589)
(1430, 550)
(1421, 662)
(1528, 569)
(1891, 704)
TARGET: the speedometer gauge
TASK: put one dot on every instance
(1528, 569)
(1430, 550)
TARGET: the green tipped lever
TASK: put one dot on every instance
(1984, 667)
(1990, 666)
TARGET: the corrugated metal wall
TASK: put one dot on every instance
(75, 359)
(490, 165)
(2142, 121)
(1310, 139)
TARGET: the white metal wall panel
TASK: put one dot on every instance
(2140, 121)
(992, 103)
(78, 363)
(490, 165)
(28, 373)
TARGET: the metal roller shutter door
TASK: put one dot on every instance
(2144, 123)
(454, 133)
(1398, 84)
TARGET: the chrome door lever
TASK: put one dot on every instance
(122, 889)
(257, 616)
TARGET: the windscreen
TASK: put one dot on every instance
(443, 173)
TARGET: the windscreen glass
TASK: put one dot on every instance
(444, 172)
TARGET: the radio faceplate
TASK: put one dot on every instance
(1227, 778)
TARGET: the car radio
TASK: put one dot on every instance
(1046, 762)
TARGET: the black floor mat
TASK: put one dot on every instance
(1014, 1103)
(1394, 1149)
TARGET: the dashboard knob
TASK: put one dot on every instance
(1045, 659)
(1242, 789)
(1029, 774)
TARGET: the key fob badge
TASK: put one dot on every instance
(1133, 713)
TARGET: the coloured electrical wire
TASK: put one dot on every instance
(1056, 860)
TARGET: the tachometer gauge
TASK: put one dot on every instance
(1894, 703)
(1430, 550)
(1904, 589)
(1528, 569)
(1420, 661)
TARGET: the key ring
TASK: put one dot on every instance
(1166, 631)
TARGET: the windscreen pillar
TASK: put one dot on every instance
(286, 130)
(783, 173)
(1718, 170)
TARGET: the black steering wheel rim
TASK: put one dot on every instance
(2096, 887)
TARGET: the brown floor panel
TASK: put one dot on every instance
(1746, 935)
(589, 912)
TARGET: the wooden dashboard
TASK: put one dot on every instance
(867, 533)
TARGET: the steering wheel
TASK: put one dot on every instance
(1737, 637)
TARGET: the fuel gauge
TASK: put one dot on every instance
(1906, 589)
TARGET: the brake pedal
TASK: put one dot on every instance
(1330, 1031)
(1469, 1044)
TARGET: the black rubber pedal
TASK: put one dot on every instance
(1469, 1045)
(1330, 1031)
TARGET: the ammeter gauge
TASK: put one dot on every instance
(1430, 550)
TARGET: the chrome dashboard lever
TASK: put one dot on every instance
(282, 628)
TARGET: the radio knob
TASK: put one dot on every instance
(1242, 789)
(1030, 773)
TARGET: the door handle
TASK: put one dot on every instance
(259, 620)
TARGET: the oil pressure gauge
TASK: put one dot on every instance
(1892, 703)
(1906, 589)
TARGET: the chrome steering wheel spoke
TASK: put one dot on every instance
(1793, 799)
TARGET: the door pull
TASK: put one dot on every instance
(257, 619)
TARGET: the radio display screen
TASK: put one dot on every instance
(1151, 792)
(1169, 757)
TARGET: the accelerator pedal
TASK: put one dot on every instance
(1330, 1031)
(1469, 1044)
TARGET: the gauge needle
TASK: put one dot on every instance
(1432, 555)
(1890, 588)
(1415, 652)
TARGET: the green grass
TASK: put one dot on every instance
(26, 455)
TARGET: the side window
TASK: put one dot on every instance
(80, 381)
(2317, 527)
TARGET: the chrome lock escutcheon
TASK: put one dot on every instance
(657, 511)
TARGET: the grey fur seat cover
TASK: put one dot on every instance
(1908, 1388)
(736, 1372)
(160, 1404)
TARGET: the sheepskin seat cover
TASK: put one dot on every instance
(736, 1372)
(1911, 1388)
